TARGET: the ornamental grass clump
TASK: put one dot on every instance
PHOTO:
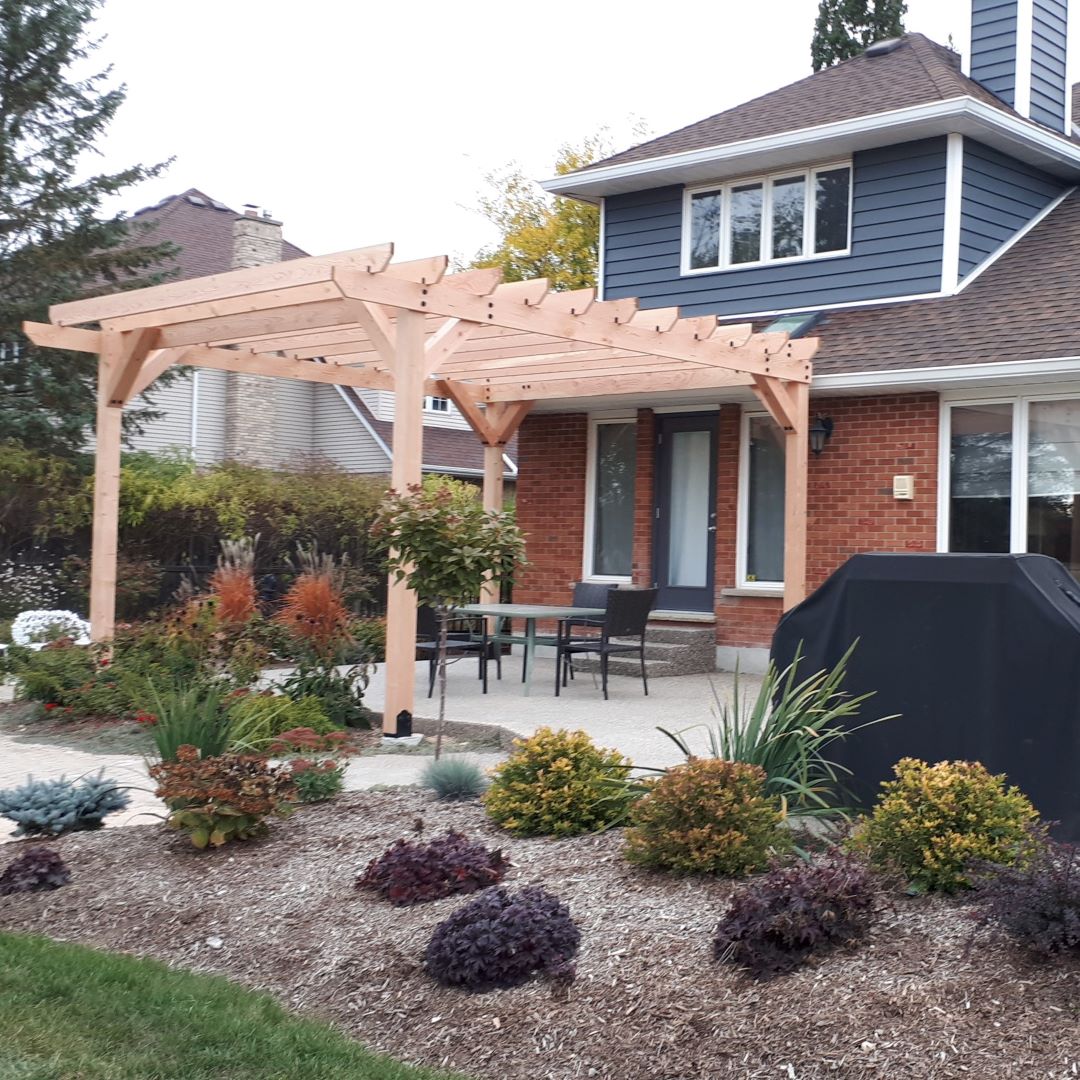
(501, 939)
(413, 873)
(559, 783)
(35, 870)
(707, 817)
(778, 921)
(215, 800)
(1037, 905)
(232, 585)
(454, 779)
(55, 807)
(933, 821)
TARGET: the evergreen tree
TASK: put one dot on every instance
(55, 242)
(844, 28)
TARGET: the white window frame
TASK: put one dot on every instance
(590, 500)
(1020, 401)
(742, 514)
(766, 180)
(429, 406)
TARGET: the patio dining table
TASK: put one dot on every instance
(531, 613)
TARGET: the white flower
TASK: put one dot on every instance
(39, 627)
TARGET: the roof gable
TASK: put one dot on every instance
(917, 72)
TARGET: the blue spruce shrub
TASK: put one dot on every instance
(55, 807)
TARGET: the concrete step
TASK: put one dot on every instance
(625, 665)
(680, 635)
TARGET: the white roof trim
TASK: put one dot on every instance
(1006, 370)
(964, 114)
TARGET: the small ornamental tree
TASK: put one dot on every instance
(445, 548)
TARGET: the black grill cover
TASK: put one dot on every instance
(980, 654)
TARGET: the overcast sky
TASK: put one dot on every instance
(359, 122)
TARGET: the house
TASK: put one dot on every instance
(218, 415)
(923, 222)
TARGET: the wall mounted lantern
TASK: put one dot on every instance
(820, 432)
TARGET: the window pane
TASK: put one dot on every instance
(765, 502)
(613, 505)
(980, 478)
(788, 210)
(705, 229)
(832, 191)
(1054, 480)
(688, 528)
(746, 223)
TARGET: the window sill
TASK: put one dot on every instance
(793, 260)
(774, 592)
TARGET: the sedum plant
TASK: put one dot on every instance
(778, 921)
(933, 821)
(787, 729)
(216, 800)
(454, 779)
(559, 783)
(35, 870)
(412, 873)
(55, 807)
(706, 817)
(501, 939)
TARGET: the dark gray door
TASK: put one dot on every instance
(685, 513)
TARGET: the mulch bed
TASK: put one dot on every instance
(649, 1001)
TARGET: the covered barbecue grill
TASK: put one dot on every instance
(980, 654)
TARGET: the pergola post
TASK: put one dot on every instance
(107, 432)
(493, 500)
(406, 471)
(796, 460)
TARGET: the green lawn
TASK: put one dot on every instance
(70, 1013)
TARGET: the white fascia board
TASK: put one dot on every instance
(943, 377)
(964, 115)
(954, 190)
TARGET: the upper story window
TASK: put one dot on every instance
(765, 219)
(437, 404)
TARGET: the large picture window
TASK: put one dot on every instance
(761, 503)
(610, 493)
(796, 215)
(1014, 477)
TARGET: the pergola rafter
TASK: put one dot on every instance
(358, 319)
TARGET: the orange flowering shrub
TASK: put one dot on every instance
(218, 799)
(233, 590)
(315, 614)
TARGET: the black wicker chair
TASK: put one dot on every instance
(622, 632)
(467, 636)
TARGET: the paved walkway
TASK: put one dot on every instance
(627, 721)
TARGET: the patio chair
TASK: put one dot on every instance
(587, 594)
(622, 632)
(468, 636)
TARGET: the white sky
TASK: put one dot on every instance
(359, 122)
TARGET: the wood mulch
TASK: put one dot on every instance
(649, 1001)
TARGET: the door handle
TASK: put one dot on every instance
(712, 528)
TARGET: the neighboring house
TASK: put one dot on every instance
(923, 223)
(217, 415)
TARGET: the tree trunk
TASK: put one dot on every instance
(444, 623)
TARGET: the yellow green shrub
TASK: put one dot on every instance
(707, 816)
(558, 783)
(933, 821)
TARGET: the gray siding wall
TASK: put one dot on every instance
(1000, 196)
(294, 420)
(340, 437)
(993, 46)
(172, 430)
(1048, 85)
(210, 440)
(898, 213)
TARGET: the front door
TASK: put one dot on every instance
(685, 513)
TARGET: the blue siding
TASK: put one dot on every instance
(1048, 85)
(1000, 196)
(898, 210)
(993, 46)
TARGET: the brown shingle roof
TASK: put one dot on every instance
(1025, 306)
(918, 72)
(201, 227)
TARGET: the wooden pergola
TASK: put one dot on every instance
(358, 319)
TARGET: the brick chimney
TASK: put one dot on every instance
(249, 399)
(1018, 51)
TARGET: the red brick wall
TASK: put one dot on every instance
(851, 508)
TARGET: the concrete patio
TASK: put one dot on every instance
(627, 721)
